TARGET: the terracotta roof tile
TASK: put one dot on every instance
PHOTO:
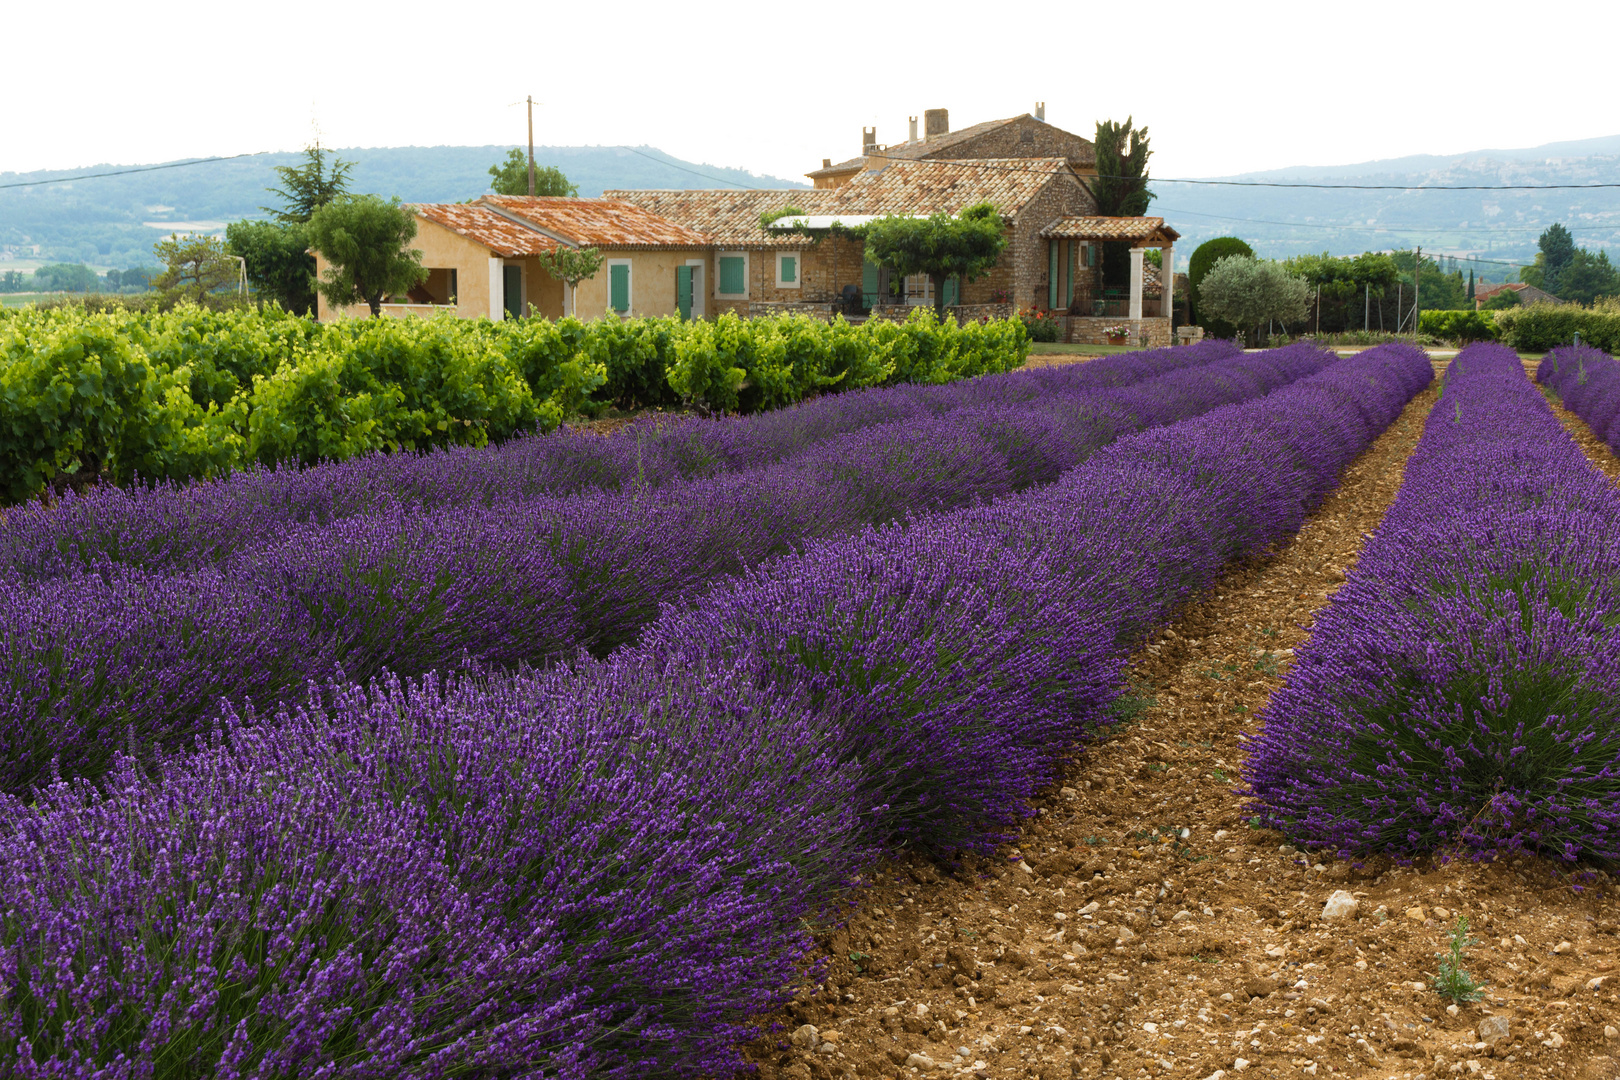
(501, 235)
(1110, 228)
(603, 223)
(731, 218)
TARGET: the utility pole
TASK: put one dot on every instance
(531, 146)
(1417, 275)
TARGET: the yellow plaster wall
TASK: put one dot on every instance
(440, 248)
(652, 282)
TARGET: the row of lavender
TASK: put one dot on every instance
(606, 870)
(1462, 690)
(88, 655)
(174, 525)
(1587, 382)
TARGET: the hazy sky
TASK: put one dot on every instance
(1222, 86)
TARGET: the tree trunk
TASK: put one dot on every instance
(375, 302)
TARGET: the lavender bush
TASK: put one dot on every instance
(607, 869)
(1459, 693)
(94, 658)
(172, 526)
(1587, 382)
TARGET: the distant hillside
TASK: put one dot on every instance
(1492, 225)
(104, 221)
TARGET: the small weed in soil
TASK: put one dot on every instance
(1452, 981)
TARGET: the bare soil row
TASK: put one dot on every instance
(1141, 927)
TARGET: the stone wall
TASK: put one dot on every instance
(1027, 254)
(1086, 330)
(1026, 137)
(760, 310)
(824, 269)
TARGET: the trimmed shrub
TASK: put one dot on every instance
(1543, 327)
(1208, 254)
(1460, 326)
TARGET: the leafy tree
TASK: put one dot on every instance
(1250, 292)
(66, 277)
(309, 186)
(11, 281)
(511, 177)
(278, 261)
(1206, 256)
(1120, 187)
(1587, 277)
(571, 266)
(940, 246)
(1501, 301)
(364, 239)
(197, 265)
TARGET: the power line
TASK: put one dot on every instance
(1383, 187)
(694, 172)
(126, 172)
(1387, 228)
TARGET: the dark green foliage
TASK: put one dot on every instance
(1207, 255)
(1120, 186)
(1502, 300)
(1541, 327)
(941, 246)
(309, 186)
(366, 242)
(64, 277)
(1587, 278)
(198, 266)
(279, 266)
(511, 177)
(1459, 326)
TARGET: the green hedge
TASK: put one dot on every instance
(1463, 326)
(193, 393)
(1541, 327)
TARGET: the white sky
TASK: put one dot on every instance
(1223, 87)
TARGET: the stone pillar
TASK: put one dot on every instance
(1136, 289)
(497, 289)
(1167, 283)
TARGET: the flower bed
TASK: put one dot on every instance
(606, 870)
(90, 654)
(1460, 691)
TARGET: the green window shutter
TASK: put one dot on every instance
(953, 291)
(732, 275)
(683, 291)
(790, 269)
(619, 288)
(512, 291)
(870, 283)
(1052, 275)
(1074, 265)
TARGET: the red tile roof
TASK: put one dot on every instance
(731, 218)
(501, 235)
(1111, 228)
(602, 223)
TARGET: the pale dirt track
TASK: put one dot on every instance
(1208, 949)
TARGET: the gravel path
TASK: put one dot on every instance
(1142, 928)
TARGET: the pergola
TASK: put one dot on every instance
(1141, 233)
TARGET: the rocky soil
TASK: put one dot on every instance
(1142, 927)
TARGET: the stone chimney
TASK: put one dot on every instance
(913, 138)
(826, 163)
(936, 122)
(868, 140)
(1040, 110)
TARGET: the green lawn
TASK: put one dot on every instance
(1041, 348)
(18, 299)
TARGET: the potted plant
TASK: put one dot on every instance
(1117, 334)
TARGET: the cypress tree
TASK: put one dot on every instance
(1470, 283)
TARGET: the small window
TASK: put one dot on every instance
(619, 285)
(787, 270)
(733, 275)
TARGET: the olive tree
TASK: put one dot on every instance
(571, 266)
(365, 241)
(1250, 292)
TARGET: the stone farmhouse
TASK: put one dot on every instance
(697, 253)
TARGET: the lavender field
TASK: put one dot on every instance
(552, 758)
